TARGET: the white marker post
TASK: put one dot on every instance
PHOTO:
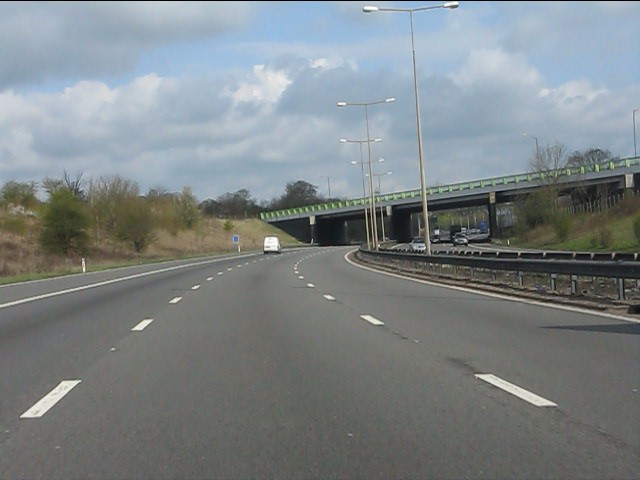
(236, 241)
(84, 266)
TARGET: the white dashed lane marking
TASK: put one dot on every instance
(519, 392)
(329, 297)
(371, 320)
(195, 287)
(49, 400)
(175, 300)
(142, 325)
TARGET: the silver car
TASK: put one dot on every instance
(418, 245)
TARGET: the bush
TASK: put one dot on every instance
(64, 222)
(228, 225)
(562, 226)
(636, 227)
(136, 223)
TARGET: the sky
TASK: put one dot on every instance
(224, 96)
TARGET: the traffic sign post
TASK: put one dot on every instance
(236, 240)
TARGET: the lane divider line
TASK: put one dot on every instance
(301, 277)
(209, 279)
(142, 325)
(195, 287)
(50, 399)
(519, 392)
(310, 285)
(330, 298)
(175, 300)
(372, 320)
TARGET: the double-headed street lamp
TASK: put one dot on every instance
(364, 194)
(366, 116)
(423, 188)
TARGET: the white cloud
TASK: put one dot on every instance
(266, 86)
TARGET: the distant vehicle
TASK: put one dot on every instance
(453, 229)
(460, 239)
(271, 244)
(435, 238)
(484, 227)
(418, 245)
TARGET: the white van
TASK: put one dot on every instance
(271, 244)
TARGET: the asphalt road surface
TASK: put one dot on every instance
(302, 365)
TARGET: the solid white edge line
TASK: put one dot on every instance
(50, 399)
(519, 392)
(329, 297)
(98, 284)
(142, 325)
(371, 320)
(494, 295)
(175, 300)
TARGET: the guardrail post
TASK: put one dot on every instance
(554, 277)
(574, 284)
(521, 279)
(621, 295)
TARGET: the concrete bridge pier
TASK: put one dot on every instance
(493, 217)
(400, 226)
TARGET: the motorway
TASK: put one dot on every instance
(304, 365)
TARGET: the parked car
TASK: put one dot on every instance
(271, 244)
(418, 245)
(460, 239)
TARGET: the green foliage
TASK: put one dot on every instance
(19, 193)
(228, 225)
(188, 208)
(602, 238)
(13, 224)
(562, 225)
(64, 222)
(136, 223)
(636, 227)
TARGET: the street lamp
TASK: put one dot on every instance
(366, 116)
(364, 194)
(423, 188)
(635, 151)
(380, 191)
(536, 139)
(328, 183)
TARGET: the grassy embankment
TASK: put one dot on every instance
(22, 258)
(609, 231)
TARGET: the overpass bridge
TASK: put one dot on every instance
(342, 222)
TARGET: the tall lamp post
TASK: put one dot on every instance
(366, 116)
(635, 151)
(328, 183)
(380, 191)
(423, 188)
(364, 194)
(536, 139)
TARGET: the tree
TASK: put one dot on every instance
(64, 224)
(136, 223)
(19, 193)
(589, 159)
(75, 186)
(105, 196)
(188, 206)
(298, 194)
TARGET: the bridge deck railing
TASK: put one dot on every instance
(457, 187)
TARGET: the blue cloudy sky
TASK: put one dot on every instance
(220, 96)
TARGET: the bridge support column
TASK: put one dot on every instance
(313, 229)
(400, 230)
(493, 217)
